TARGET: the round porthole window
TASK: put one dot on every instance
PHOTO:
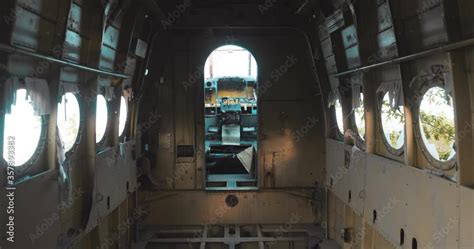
(359, 116)
(339, 116)
(68, 122)
(436, 125)
(123, 115)
(101, 117)
(22, 131)
(393, 125)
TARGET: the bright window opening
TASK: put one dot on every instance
(339, 116)
(101, 118)
(229, 61)
(359, 115)
(123, 115)
(24, 128)
(393, 124)
(437, 123)
(68, 122)
(230, 103)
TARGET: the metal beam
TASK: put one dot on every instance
(204, 235)
(261, 245)
(15, 50)
(231, 237)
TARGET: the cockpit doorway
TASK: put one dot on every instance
(231, 121)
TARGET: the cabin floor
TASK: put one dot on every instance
(284, 236)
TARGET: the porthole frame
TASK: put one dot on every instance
(23, 169)
(101, 144)
(127, 120)
(39, 148)
(394, 151)
(437, 164)
(81, 130)
(361, 142)
(337, 133)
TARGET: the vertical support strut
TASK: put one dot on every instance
(261, 245)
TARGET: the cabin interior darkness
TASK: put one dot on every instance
(266, 124)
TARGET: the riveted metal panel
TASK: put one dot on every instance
(69, 75)
(384, 196)
(141, 48)
(129, 69)
(333, 81)
(467, 217)
(347, 182)
(391, 191)
(433, 204)
(29, 24)
(199, 207)
(334, 160)
(326, 46)
(384, 17)
(31, 30)
(353, 57)
(387, 44)
(467, 19)
(184, 176)
(394, 190)
(349, 36)
(36, 206)
(164, 136)
(72, 46)
(114, 179)
(34, 6)
(424, 5)
(335, 21)
(21, 65)
(331, 64)
(47, 8)
(107, 58)
(355, 195)
(111, 36)
(108, 49)
(335, 168)
(184, 111)
(433, 27)
(290, 138)
(338, 219)
(422, 24)
(75, 15)
(323, 32)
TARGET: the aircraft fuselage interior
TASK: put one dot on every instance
(236, 124)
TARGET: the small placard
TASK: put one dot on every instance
(185, 151)
(141, 48)
(165, 140)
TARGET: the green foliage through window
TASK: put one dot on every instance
(393, 123)
(437, 123)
